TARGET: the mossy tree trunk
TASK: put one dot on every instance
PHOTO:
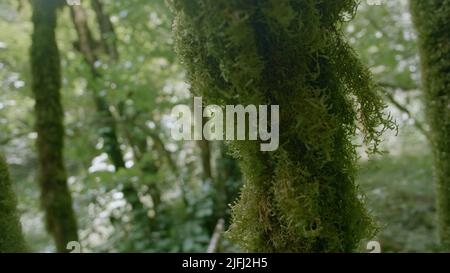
(291, 53)
(432, 21)
(11, 239)
(46, 73)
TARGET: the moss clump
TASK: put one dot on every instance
(11, 239)
(432, 21)
(301, 198)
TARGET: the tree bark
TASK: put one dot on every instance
(11, 238)
(45, 65)
(432, 21)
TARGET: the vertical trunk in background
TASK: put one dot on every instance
(107, 122)
(46, 74)
(217, 197)
(228, 183)
(11, 239)
(205, 156)
(108, 35)
(432, 21)
(88, 47)
(291, 53)
(207, 177)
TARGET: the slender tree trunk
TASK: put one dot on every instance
(205, 148)
(11, 238)
(45, 65)
(108, 125)
(228, 183)
(205, 156)
(301, 197)
(432, 21)
(88, 47)
(107, 33)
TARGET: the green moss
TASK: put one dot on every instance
(432, 21)
(11, 239)
(301, 198)
(45, 66)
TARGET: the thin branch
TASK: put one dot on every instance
(160, 146)
(214, 244)
(10, 138)
(403, 108)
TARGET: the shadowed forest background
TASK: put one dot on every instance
(132, 187)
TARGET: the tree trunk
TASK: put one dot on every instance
(107, 33)
(301, 197)
(45, 65)
(108, 125)
(11, 239)
(432, 21)
(228, 183)
(205, 156)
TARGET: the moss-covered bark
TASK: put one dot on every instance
(45, 65)
(11, 239)
(432, 21)
(301, 198)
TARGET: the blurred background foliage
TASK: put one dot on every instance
(180, 198)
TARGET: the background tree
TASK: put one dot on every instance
(301, 198)
(397, 183)
(45, 65)
(11, 239)
(432, 21)
(90, 50)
